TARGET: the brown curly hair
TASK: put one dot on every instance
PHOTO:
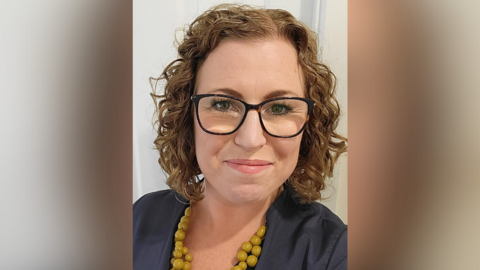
(320, 146)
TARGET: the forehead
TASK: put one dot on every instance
(252, 68)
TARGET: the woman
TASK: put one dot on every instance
(247, 105)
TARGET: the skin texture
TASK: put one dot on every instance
(253, 71)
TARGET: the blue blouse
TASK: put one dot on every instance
(299, 236)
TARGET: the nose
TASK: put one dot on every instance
(250, 135)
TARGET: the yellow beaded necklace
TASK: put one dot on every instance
(181, 258)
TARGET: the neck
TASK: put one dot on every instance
(218, 213)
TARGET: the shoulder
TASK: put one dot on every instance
(312, 218)
(154, 198)
(152, 202)
(321, 225)
(334, 234)
(317, 237)
(319, 212)
(155, 216)
(327, 232)
(153, 210)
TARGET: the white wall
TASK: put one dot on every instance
(154, 25)
(335, 55)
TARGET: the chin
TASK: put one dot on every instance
(249, 193)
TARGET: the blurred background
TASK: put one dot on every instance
(156, 24)
(66, 121)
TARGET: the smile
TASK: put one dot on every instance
(248, 166)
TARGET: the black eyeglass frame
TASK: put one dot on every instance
(258, 107)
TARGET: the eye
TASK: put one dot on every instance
(279, 109)
(220, 104)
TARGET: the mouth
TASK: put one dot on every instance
(248, 166)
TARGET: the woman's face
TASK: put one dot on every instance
(249, 165)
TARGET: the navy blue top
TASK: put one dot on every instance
(299, 236)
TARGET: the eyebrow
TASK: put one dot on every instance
(273, 94)
(279, 93)
(228, 91)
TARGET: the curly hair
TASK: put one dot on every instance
(320, 146)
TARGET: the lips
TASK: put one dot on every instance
(248, 166)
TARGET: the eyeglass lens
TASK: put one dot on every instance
(284, 117)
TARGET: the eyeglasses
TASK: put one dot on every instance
(282, 117)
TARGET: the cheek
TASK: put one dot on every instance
(207, 148)
(200, 142)
(288, 151)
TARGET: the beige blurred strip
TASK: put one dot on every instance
(66, 143)
(413, 130)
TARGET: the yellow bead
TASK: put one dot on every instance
(183, 226)
(188, 258)
(255, 240)
(237, 268)
(172, 260)
(177, 254)
(184, 251)
(241, 255)
(179, 243)
(178, 264)
(251, 261)
(243, 265)
(188, 211)
(179, 248)
(185, 219)
(261, 231)
(247, 246)
(256, 250)
(187, 266)
(180, 235)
